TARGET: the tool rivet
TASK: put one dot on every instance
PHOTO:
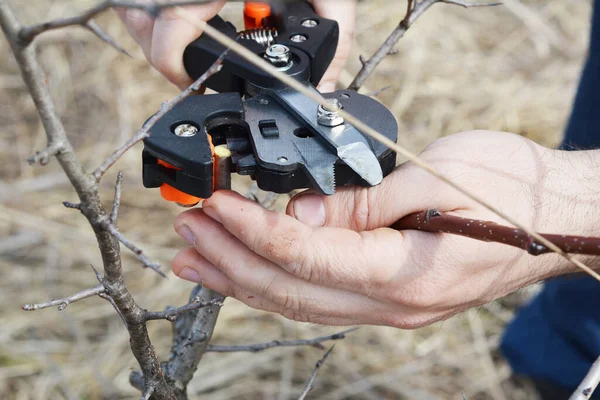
(330, 117)
(298, 38)
(185, 130)
(282, 159)
(309, 23)
(279, 55)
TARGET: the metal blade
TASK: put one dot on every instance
(345, 140)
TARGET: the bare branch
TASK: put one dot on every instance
(144, 132)
(367, 130)
(587, 387)
(146, 262)
(255, 348)
(43, 157)
(114, 215)
(93, 27)
(173, 313)
(414, 11)
(64, 302)
(74, 206)
(115, 306)
(148, 391)
(313, 377)
(28, 33)
(436, 221)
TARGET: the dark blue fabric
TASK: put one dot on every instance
(557, 336)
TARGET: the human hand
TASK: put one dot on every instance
(164, 39)
(333, 260)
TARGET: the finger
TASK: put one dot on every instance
(406, 190)
(344, 11)
(333, 257)
(171, 35)
(139, 24)
(255, 274)
(188, 264)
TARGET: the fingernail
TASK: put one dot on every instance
(310, 209)
(187, 234)
(212, 213)
(189, 275)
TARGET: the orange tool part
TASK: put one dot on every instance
(169, 193)
(254, 13)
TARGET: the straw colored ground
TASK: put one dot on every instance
(512, 68)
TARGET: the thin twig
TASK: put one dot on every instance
(144, 132)
(364, 128)
(43, 157)
(313, 377)
(93, 27)
(255, 348)
(414, 11)
(74, 206)
(171, 314)
(146, 262)
(28, 33)
(587, 387)
(114, 215)
(64, 302)
(436, 221)
(115, 306)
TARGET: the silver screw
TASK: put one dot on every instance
(298, 38)
(282, 159)
(279, 55)
(309, 23)
(185, 130)
(330, 117)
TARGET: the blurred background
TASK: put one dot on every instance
(514, 67)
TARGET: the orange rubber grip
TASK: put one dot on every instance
(254, 13)
(169, 193)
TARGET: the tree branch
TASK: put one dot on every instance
(172, 313)
(414, 11)
(64, 302)
(436, 221)
(587, 387)
(93, 27)
(313, 377)
(91, 207)
(28, 33)
(255, 348)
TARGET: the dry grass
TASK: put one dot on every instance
(501, 68)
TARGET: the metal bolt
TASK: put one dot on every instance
(298, 38)
(279, 55)
(185, 130)
(282, 159)
(309, 23)
(330, 117)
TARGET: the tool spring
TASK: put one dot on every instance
(263, 36)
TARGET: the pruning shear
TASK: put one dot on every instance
(279, 137)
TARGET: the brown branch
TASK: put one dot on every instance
(255, 348)
(436, 221)
(414, 11)
(144, 132)
(172, 313)
(313, 377)
(64, 302)
(587, 387)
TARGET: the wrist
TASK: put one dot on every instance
(572, 200)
